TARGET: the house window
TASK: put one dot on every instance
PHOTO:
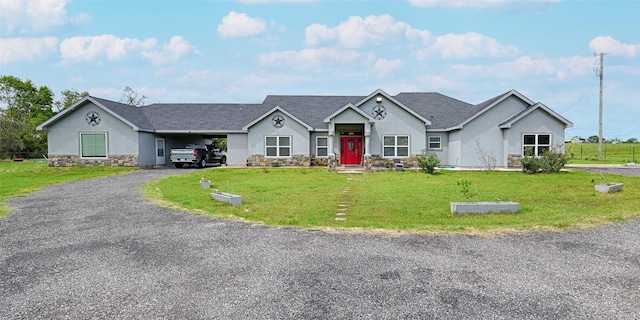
(435, 143)
(93, 145)
(395, 146)
(322, 146)
(535, 144)
(278, 146)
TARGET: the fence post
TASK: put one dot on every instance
(580, 152)
(605, 153)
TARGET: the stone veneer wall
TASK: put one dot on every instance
(380, 162)
(258, 160)
(319, 162)
(513, 161)
(121, 160)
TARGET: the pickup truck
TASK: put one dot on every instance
(198, 154)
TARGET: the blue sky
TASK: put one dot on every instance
(241, 51)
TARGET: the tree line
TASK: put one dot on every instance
(594, 139)
(24, 105)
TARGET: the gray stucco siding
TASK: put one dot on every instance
(349, 116)
(64, 136)
(147, 149)
(443, 152)
(483, 134)
(259, 131)
(454, 145)
(237, 151)
(397, 122)
(536, 122)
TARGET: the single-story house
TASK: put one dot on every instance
(367, 131)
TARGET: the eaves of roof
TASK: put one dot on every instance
(311, 110)
(351, 107)
(522, 113)
(394, 100)
(270, 112)
(487, 105)
(129, 115)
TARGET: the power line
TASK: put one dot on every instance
(581, 97)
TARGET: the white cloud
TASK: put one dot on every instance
(525, 66)
(197, 78)
(87, 48)
(177, 48)
(438, 84)
(315, 59)
(466, 45)
(383, 67)
(35, 16)
(473, 3)
(24, 49)
(240, 25)
(372, 30)
(612, 46)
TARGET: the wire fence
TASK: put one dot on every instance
(618, 153)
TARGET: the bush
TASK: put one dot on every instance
(551, 161)
(428, 164)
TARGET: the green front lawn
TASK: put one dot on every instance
(20, 178)
(401, 200)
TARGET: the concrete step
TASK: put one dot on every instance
(350, 170)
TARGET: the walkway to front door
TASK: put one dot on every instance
(351, 150)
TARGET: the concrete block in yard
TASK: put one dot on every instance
(484, 207)
(610, 187)
(233, 199)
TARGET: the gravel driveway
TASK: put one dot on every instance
(97, 249)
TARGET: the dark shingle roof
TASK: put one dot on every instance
(443, 111)
(132, 114)
(312, 110)
(201, 116)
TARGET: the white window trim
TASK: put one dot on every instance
(325, 147)
(395, 146)
(536, 145)
(277, 146)
(429, 142)
(106, 142)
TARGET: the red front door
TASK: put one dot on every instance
(351, 150)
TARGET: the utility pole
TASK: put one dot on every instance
(599, 73)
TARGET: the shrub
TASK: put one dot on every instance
(551, 161)
(428, 164)
(465, 189)
(530, 164)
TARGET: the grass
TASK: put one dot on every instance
(401, 200)
(587, 153)
(20, 178)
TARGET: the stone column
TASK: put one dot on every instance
(367, 139)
